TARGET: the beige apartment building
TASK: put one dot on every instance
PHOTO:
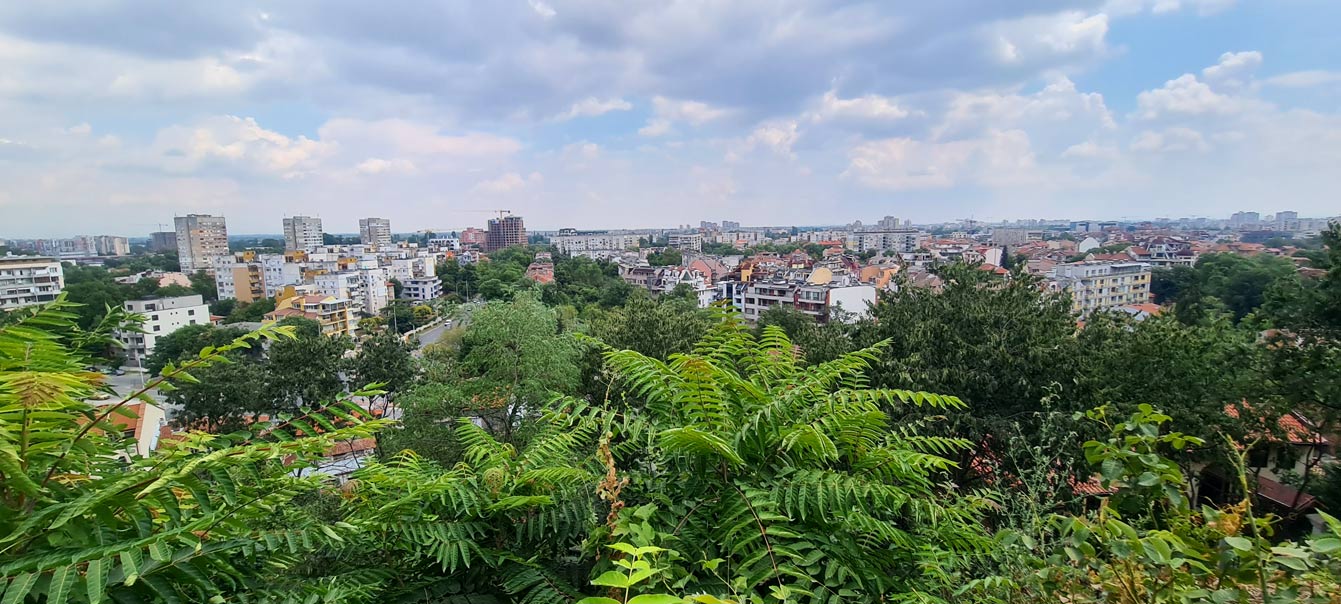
(200, 239)
(1101, 285)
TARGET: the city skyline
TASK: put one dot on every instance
(597, 116)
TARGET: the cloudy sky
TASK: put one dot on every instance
(117, 114)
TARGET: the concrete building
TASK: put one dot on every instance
(690, 242)
(111, 245)
(29, 280)
(1101, 285)
(162, 316)
(163, 241)
(331, 313)
(302, 233)
(473, 236)
(504, 232)
(572, 244)
(200, 239)
(375, 231)
(898, 240)
(730, 225)
(422, 289)
(817, 300)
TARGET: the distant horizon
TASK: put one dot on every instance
(865, 222)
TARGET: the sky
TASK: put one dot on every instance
(116, 115)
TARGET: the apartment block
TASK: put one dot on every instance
(691, 242)
(111, 245)
(422, 289)
(333, 314)
(302, 233)
(162, 317)
(200, 239)
(504, 232)
(163, 241)
(375, 231)
(571, 244)
(898, 240)
(1101, 285)
(817, 300)
(29, 280)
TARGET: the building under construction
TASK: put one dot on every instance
(505, 231)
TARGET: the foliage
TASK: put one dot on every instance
(1000, 346)
(818, 342)
(666, 257)
(782, 481)
(187, 342)
(384, 359)
(1237, 283)
(84, 521)
(251, 312)
(1147, 543)
(515, 358)
(656, 328)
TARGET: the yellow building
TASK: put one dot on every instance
(332, 313)
(1100, 285)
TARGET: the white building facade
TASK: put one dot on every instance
(162, 316)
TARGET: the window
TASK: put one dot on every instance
(156, 327)
(192, 313)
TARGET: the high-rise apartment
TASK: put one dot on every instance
(375, 231)
(302, 233)
(200, 239)
(504, 232)
(29, 280)
(111, 245)
(163, 241)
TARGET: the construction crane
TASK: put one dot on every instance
(500, 213)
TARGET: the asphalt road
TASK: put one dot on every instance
(433, 334)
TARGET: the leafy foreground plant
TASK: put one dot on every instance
(1147, 544)
(81, 520)
(777, 481)
(755, 477)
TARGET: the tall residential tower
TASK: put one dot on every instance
(375, 231)
(302, 233)
(505, 231)
(200, 239)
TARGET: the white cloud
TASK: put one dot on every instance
(238, 142)
(1234, 69)
(656, 127)
(409, 138)
(1170, 140)
(1162, 7)
(592, 107)
(1091, 150)
(870, 107)
(1047, 37)
(377, 165)
(80, 129)
(1186, 95)
(777, 135)
(999, 158)
(507, 183)
(1304, 79)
